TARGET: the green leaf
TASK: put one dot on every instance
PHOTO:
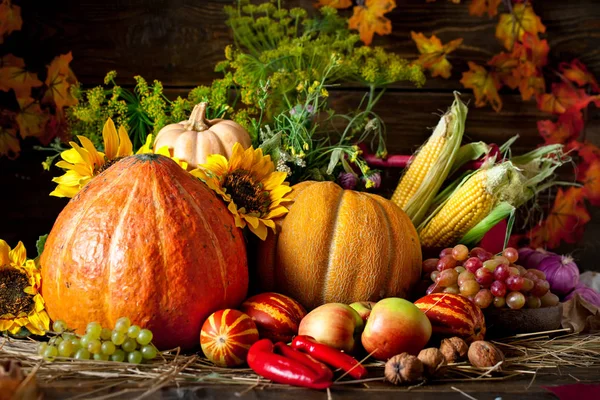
(334, 160)
(271, 147)
(41, 242)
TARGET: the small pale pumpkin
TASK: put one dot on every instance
(197, 138)
(341, 246)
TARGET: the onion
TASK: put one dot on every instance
(561, 272)
(587, 293)
(524, 254)
(536, 258)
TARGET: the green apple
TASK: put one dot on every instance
(395, 326)
(363, 308)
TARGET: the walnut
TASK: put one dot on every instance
(403, 368)
(433, 361)
(454, 349)
(483, 354)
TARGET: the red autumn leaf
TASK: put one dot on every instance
(590, 177)
(563, 98)
(31, 119)
(59, 81)
(339, 4)
(536, 50)
(485, 85)
(480, 7)
(368, 19)
(578, 73)
(14, 76)
(565, 222)
(433, 54)
(565, 129)
(512, 27)
(10, 19)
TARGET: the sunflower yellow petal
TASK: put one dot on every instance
(277, 212)
(65, 191)
(125, 145)
(260, 231)
(96, 159)
(81, 169)
(18, 255)
(252, 221)
(72, 155)
(111, 139)
(147, 147)
(4, 250)
(69, 178)
(268, 223)
(274, 180)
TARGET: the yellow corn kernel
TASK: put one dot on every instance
(417, 171)
(470, 204)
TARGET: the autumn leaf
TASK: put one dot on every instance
(480, 7)
(14, 76)
(339, 4)
(565, 222)
(533, 49)
(368, 19)
(578, 73)
(504, 65)
(31, 119)
(566, 129)
(590, 177)
(485, 86)
(564, 97)
(9, 143)
(512, 27)
(10, 19)
(433, 54)
(59, 81)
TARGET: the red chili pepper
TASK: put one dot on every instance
(325, 374)
(278, 368)
(330, 356)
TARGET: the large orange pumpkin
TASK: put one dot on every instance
(148, 241)
(341, 246)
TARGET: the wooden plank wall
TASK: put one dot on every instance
(179, 42)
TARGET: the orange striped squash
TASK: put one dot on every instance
(277, 317)
(340, 246)
(148, 241)
(226, 337)
(453, 315)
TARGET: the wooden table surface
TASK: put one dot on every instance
(522, 388)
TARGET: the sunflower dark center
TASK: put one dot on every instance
(246, 193)
(13, 299)
(106, 165)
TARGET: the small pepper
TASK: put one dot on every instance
(321, 369)
(291, 369)
(330, 356)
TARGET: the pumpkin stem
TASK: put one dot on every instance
(196, 122)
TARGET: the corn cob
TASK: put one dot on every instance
(431, 165)
(472, 202)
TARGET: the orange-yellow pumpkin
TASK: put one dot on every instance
(197, 138)
(145, 240)
(340, 246)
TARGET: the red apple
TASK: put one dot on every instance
(395, 326)
(334, 324)
(363, 308)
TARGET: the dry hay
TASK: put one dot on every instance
(525, 354)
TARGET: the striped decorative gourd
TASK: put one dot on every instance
(226, 337)
(453, 315)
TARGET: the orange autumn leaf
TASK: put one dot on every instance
(59, 81)
(485, 85)
(10, 19)
(563, 98)
(14, 76)
(512, 27)
(578, 73)
(590, 177)
(368, 19)
(566, 129)
(565, 222)
(533, 49)
(31, 119)
(433, 54)
(504, 65)
(339, 4)
(480, 7)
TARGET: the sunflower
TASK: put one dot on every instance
(84, 162)
(21, 304)
(250, 185)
